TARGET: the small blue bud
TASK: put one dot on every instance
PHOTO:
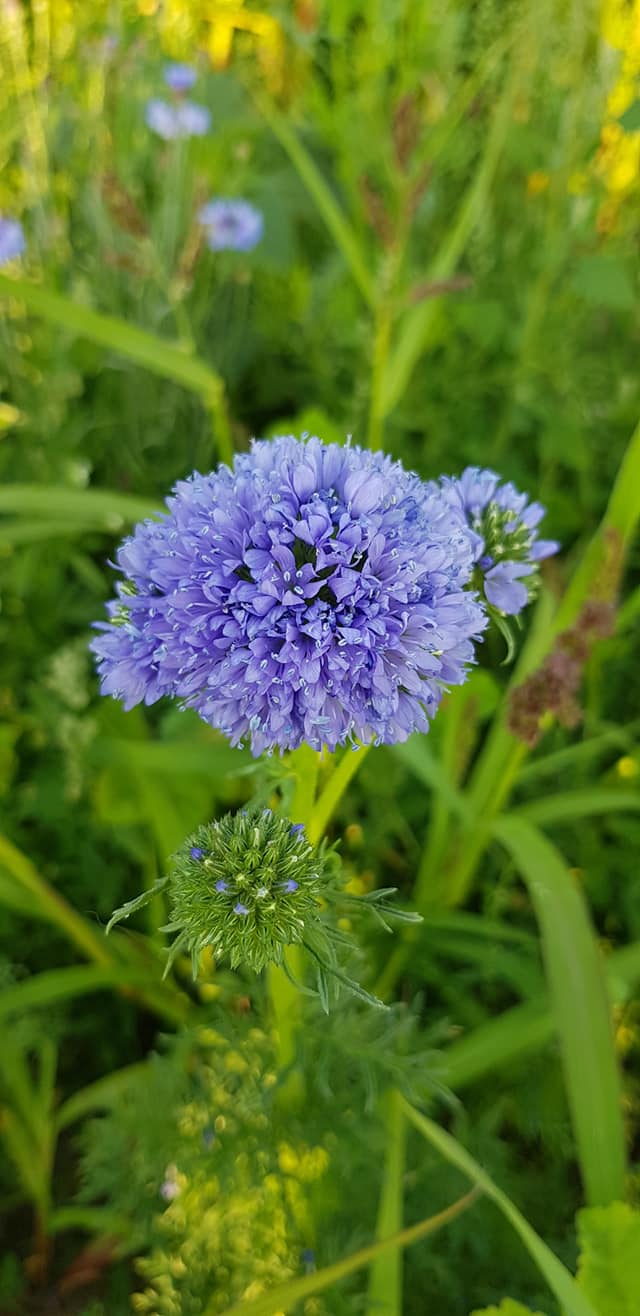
(196, 852)
(290, 886)
(239, 908)
(222, 885)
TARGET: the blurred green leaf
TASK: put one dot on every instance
(163, 358)
(385, 1280)
(630, 120)
(603, 281)
(270, 1304)
(559, 1279)
(580, 1004)
(101, 509)
(583, 803)
(508, 1307)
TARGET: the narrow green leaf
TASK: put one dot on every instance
(385, 1280)
(48, 904)
(580, 1005)
(94, 1219)
(24, 1153)
(342, 232)
(526, 1028)
(63, 984)
(621, 516)
(508, 1307)
(132, 906)
(79, 509)
(164, 358)
(98, 1095)
(577, 804)
(420, 759)
(558, 761)
(283, 1297)
(419, 323)
(499, 1042)
(559, 1279)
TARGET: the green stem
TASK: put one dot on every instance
(285, 999)
(334, 790)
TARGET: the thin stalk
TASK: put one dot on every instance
(269, 1304)
(335, 788)
(285, 998)
(315, 815)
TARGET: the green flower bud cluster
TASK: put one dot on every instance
(505, 535)
(246, 885)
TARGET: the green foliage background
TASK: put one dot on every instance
(449, 270)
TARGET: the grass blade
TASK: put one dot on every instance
(559, 1279)
(385, 1281)
(62, 984)
(577, 804)
(620, 520)
(98, 1095)
(344, 236)
(281, 1298)
(102, 509)
(418, 323)
(580, 1005)
(527, 1028)
(167, 359)
(498, 1043)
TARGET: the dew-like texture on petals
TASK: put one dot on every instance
(12, 240)
(314, 593)
(171, 122)
(231, 225)
(504, 523)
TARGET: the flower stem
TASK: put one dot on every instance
(285, 999)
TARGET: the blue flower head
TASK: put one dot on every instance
(312, 593)
(507, 548)
(231, 225)
(170, 122)
(180, 77)
(12, 240)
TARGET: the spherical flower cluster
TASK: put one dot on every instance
(12, 240)
(186, 119)
(231, 225)
(246, 886)
(313, 593)
(507, 546)
(180, 77)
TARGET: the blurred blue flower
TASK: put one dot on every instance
(180, 77)
(312, 593)
(12, 239)
(507, 547)
(231, 225)
(173, 121)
